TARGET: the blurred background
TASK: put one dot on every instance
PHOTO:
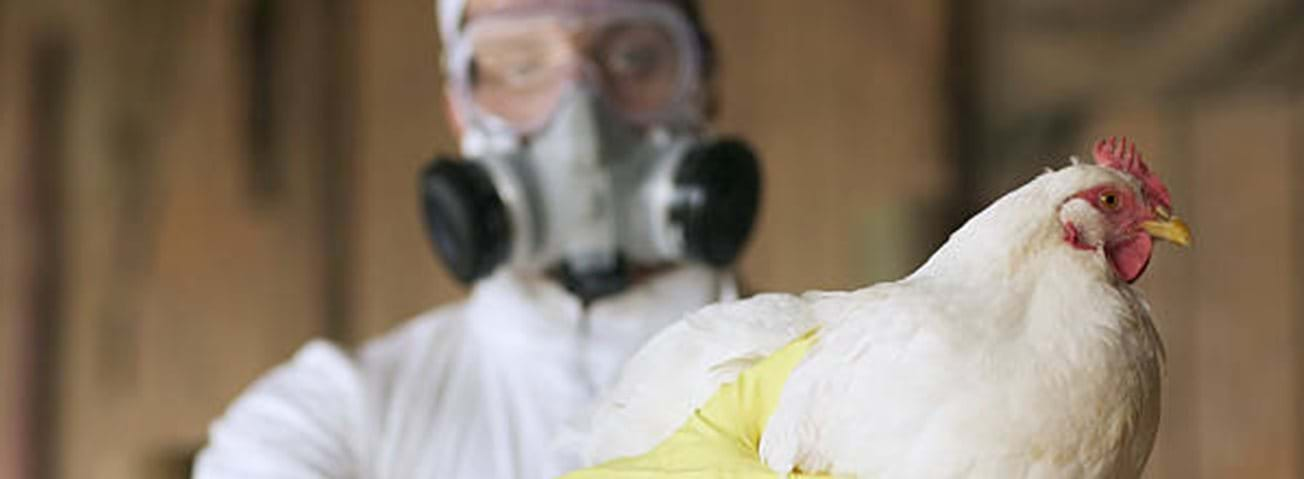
(190, 189)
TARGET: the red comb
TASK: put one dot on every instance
(1122, 156)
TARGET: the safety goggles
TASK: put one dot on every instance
(510, 69)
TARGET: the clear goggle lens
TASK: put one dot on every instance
(515, 66)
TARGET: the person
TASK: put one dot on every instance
(590, 209)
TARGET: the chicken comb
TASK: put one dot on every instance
(1122, 156)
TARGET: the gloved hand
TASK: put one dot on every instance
(720, 439)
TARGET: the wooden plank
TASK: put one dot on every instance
(1244, 319)
(1051, 53)
(1297, 237)
(16, 245)
(843, 100)
(1298, 202)
(192, 273)
(402, 126)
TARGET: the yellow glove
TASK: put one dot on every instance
(722, 438)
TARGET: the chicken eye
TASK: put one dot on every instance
(1109, 200)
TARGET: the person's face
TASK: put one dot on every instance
(522, 65)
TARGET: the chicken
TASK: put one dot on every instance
(1019, 349)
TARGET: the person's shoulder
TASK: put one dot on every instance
(428, 332)
(289, 422)
(314, 412)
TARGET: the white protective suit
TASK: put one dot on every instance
(475, 389)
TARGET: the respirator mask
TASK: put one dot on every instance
(584, 155)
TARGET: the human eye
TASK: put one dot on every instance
(636, 53)
(512, 69)
(635, 62)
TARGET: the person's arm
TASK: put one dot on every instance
(302, 420)
(720, 439)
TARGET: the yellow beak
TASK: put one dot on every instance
(1169, 228)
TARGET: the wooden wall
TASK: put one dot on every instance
(190, 189)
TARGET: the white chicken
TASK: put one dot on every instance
(1019, 349)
